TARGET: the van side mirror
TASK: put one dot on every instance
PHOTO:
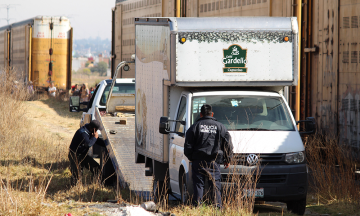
(164, 126)
(310, 125)
(74, 104)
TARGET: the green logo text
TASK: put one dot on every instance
(235, 59)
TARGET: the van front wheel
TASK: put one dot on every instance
(297, 206)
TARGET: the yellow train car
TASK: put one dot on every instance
(39, 50)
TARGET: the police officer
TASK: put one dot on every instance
(84, 138)
(207, 145)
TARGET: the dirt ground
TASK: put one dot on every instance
(54, 116)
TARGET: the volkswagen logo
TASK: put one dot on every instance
(252, 159)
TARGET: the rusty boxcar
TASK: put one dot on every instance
(329, 86)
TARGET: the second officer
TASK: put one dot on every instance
(207, 145)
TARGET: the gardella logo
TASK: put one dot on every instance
(235, 59)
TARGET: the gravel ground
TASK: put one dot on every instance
(119, 210)
(113, 209)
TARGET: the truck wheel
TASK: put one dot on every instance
(297, 206)
(184, 191)
(159, 190)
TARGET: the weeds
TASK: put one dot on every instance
(238, 197)
(332, 168)
(33, 162)
(240, 193)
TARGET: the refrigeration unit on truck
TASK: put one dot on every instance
(242, 67)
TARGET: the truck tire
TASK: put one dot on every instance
(184, 195)
(297, 206)
(159, 190)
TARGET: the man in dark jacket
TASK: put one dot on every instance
(84, 138)
(207, 145)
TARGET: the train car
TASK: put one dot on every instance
(4, 48)
(51, 52)
(38, 50)
(329, 83)
(20, 44)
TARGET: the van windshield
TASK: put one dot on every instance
(118, 88)
(246, 112)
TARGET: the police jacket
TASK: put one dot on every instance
(83, 140)
(208, 140)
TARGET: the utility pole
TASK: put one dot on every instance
(7, 6)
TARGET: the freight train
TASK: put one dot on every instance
(329, 83)
(38, 50)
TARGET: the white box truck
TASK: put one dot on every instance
(242, 67)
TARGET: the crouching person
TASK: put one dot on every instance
(207, 145)
(84, 138)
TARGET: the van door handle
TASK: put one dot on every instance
(172, 137)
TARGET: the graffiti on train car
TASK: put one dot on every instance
(349, 114)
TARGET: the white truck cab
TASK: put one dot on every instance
(261, 127)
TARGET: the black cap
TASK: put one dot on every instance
(95, 124)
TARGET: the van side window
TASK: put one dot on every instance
(181, 115)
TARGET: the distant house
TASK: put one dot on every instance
(102, 58)
(78, 63)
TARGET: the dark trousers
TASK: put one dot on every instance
(78, 162)
(210, 170)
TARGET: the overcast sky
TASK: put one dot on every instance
(89, 18)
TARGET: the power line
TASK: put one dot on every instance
(8, 6)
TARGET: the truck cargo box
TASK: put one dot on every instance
(205, 52)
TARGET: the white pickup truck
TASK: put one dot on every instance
(111, 97)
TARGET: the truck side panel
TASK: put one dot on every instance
(256, 52)
(152, 69)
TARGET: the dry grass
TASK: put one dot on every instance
(235, 198)
(34, 174)
(334, 188)
(332, 168)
